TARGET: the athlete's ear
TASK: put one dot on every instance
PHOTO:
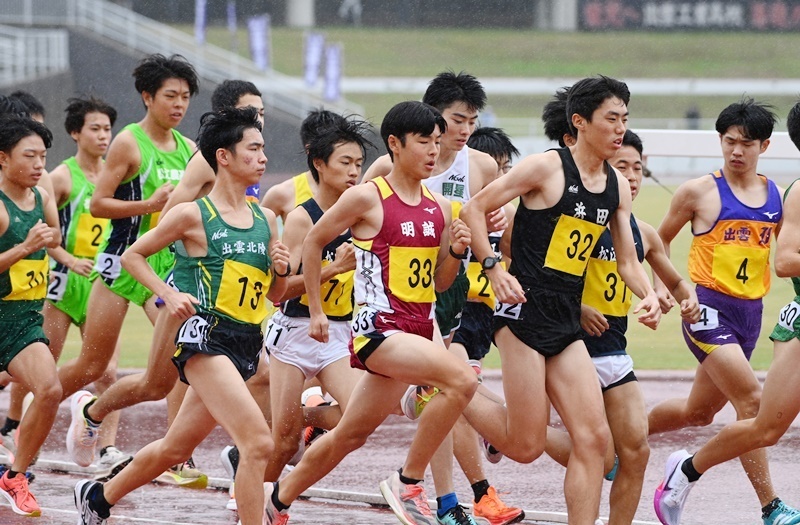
(318, 163)
(578, 121)
(222, 156)
(394, 144)
(764, 145)
(147, 98)
(3, 158)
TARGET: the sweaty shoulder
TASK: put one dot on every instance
(278, 197)
(483, 164)
(693, 192)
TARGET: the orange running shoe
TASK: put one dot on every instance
(492, 509)
(16, 491)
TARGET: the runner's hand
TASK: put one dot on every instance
(280, 257)
(665, 299)
(180, 305)
(460, 236)
(652, 311)
(506, 287)
(318, 328)
(160, 197)
(82, 267)
(690, 310)
(496, 221)
(345, 257)
(38, 237)
(592, 321)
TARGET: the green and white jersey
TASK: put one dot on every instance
(24, 285)
(233, 278)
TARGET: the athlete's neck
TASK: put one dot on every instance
(741, 179)
(15, 192)
(89, 164)
(408, 188)
(589, 162)
(446, 159)
(326, 196)
(161, 136)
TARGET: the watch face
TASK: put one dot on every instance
(489, 262)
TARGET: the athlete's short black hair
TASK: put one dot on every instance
(410, 117)
(342, 132)
(224, 129)
(154, 70)
(793, 124)
(33, 104)
(14, 128)
(586, 95)
(227, 94)
(317, 121)
(78, 108)
(13, 106)
(554, 116)
(632, 139)
(493, 141)
(448, 88)
(756, 119)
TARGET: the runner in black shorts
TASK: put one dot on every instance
(568, 197)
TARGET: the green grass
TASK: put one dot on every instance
(377, 52)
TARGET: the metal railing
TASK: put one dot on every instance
(147, 36)
(26, 54)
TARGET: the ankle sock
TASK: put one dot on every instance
(687, 467)
(445, 503)
(408, 481)
(480, 489)
(9, 426)
(98, 501)
(12, 474)
(88, 417)
(770, 507)
(279, 506)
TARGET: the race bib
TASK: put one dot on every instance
(57, 286)
(788, 316)
(512, 311)
(741, 270)
(571, 245)
(605, 290)
(411, 273)
(108, 266)
(193, 330)
(273, 338)
(709, 319)
(28, 280)
(242, 292)
(90, 234)
(363, 322)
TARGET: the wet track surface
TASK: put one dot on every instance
(723, 496)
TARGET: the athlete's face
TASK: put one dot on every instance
(24, 164)
(461, 123)
(417, 157)
(629, 163)
(604, 132)
(343, 167)
(503, 165)
(95, 135)
(740, 152)
(255, 102)
(168, 106)
(248, 159)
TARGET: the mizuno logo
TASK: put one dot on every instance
(723, 336)
(573, 188)
(771, 215)
(430, 210)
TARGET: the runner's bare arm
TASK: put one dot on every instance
(280, 259)
(787, 253)
(380, 168)
(197, 181)
(122, 162)
(280, 199)
(455, 237)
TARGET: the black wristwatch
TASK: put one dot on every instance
(489, 263)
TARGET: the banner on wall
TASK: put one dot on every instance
(701, 15)
(259, 32)
(312, 57)
(200, 21)
(332, 91)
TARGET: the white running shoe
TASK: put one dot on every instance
(671, 494)
(82, 434)
(111, 462)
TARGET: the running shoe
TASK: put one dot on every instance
(598, 521)
(408, 502)
(415, 399)
(184, 475)
(30, 475)
(613, 472)
(112, 461)
(310, 434)
(783, 515)
(455, 516)
(16, 491)
(230, 462)
(82, 434)
(477, 367)
(271, 515)
(671, 494)
(87, 515)
(492, 454)
(492, 509)
(8, 447)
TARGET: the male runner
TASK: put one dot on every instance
(403, 254)
(335, 157)
(734, 213)
(144, 163)
(28, 224)
(229, 263)
(604, 308)
(159, 378)
(460, 172)
(568, 197)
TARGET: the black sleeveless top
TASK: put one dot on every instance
(550, 248)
